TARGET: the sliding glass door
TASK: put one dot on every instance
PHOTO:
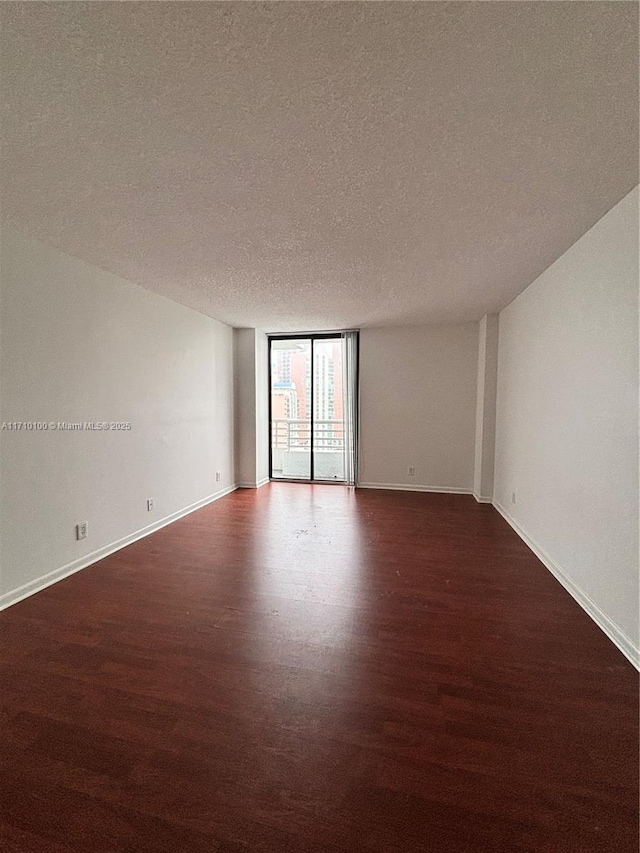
(290, 408)
(313, 412)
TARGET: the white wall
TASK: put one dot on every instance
(245, 413)
(418, 406)
(486, 408)
(79, 344)
(252, 407)
(567, 419)
(262, 407)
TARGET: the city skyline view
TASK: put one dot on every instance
(291, 407)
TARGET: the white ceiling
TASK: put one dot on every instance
(311, 165)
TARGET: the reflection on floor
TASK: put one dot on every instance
(316, 669)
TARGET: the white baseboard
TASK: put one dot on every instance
(615, 634)
(16, 595)
(405, 487)
(482, 499)
(253, 484)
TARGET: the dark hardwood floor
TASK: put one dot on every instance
(316, 670)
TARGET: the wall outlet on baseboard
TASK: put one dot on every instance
(149, 504)
(411, 471)
(82, 530)
(513, 497)
(217, 476)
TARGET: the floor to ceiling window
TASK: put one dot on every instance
(313, 407)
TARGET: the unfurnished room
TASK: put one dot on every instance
(319, 442)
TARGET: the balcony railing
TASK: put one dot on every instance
(328, 436)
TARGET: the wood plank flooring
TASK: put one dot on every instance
(315, 669)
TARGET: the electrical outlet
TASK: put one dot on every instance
(412, 471)
(82, 530)
(513, 497)
(149, 504)
(217, 476)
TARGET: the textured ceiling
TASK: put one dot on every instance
(316, 165)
